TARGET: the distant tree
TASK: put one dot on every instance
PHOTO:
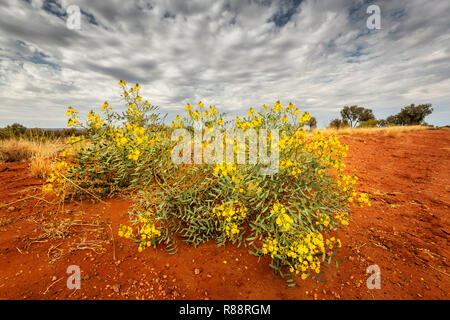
(354, 115)
(338, 124)
(413, 115)
(410, 115)
(392, 120)
(16, 129)
(382, 123)
(312, 123)
(371, 123)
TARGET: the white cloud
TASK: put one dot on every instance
(234, 54)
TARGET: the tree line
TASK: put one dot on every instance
(351, 116)
(355, 116)
(17, 130)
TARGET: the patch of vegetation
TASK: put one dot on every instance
(18, 131)
(355, 116)
(289, 216)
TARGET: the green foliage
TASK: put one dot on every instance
(372, 123)
(411, 115)
(354, 115)
(18, 131)
(338, 124)
(312, 123)
(382, 123)
(287, 216)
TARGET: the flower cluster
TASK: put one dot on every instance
(254, 188)
(283, 220)
(95, 121)
(223, 169)
(270, 246)
(342, 218)
(198, 117)
(364, 200)
(324, 220)
(300, 255)
(146, 234)
(56, 180)
(73, 117)
(125, 231)
(287, 216)
(231, 216)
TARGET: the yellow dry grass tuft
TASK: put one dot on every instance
(39, 153)
(388, 131)
(41, 167)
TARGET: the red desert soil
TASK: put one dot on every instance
(405, 232)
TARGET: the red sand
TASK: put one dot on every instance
(405, 232)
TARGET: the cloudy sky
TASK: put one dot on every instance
(235, 54)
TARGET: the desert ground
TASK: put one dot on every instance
(405, 232)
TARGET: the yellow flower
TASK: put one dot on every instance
(106, 106)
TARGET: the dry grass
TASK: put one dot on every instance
(389, 131)
(393, 133)
(39, 153)
(41, 167)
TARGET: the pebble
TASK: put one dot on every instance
(116, 288)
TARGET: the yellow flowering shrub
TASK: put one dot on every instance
(118, 147)
(145, 231)
(288, 216)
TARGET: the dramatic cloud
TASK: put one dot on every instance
(235, 54)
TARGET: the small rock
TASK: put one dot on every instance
(197, 271)
(116, 288)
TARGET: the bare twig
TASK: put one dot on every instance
(114, 243)
(82, 189)
(51, 285)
